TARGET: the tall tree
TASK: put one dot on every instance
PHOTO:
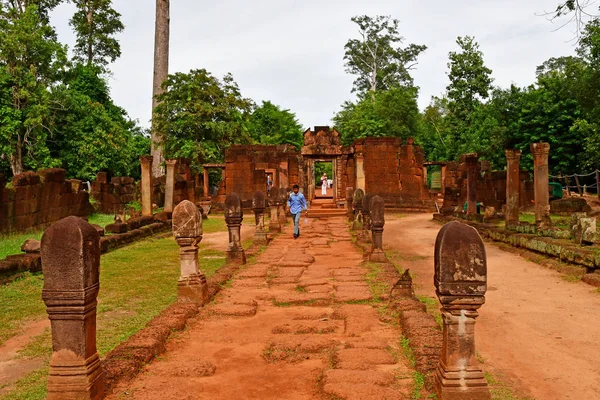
(96, 23)
(199, 116)
(377, 58)
(269, 124)
(31, 60)
(161, 72)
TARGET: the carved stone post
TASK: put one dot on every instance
(258, 205)
(70, 252)
(471, 160)
(540, 182)
(366, 217)
(512, 186)
(377, 207)
(146, 185)
(350, 210)
(461, 282)
(205, 182)
(281, 210)
(233, 217)
(274, 225)
(170, 185)
(187, 230)
(357, 204)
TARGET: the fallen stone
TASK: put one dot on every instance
(31, 246)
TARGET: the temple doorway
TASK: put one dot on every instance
(324, 179)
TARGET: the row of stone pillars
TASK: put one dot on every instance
(540, 152)
(70, 251)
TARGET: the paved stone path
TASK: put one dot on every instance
(300, 323)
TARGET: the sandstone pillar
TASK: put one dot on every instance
(377, 210)
(281, 209)
(471, 160)
(206, 182)
(360, 171)
(350, 210)
(540, 182)
(366, 217)
(443, 180)
(70, 252)
(512, 186)
(259, 205)
(233, 218)
(146, 185)
(460, 280)
(357, 204)
(274, 225)
(187, 230)
(170, 185)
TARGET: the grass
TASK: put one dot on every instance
(500, 391)
(433, 308)
(214, 224)
(11, 243)
(558, 221)
(571, 278)
(377, 287)
(136, 283)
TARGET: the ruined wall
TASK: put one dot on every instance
(34, 201)
(490, 186)
(247, 165)
(394, 171)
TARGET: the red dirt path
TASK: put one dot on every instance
(537, 332)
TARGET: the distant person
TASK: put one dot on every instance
(297, 203)
(269, 183)
(324, 184)
(329, 183)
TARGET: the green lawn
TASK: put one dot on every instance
(11, 243)
(137, 282)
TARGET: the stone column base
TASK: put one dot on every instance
(378, 256)
(193, 288)
(236, 256)
(274, 228)
(70, 377)
(468, 384)
(260, 238)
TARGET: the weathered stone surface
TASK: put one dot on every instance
(187, 230)
(569, 205)
(70, 253)
(146, 185)
(357, 204)
(258, 205)
(233, 219)
(540, 171)
(461, 282)
(31, 246)
(377, 211)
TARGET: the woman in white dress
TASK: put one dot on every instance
(324, 184)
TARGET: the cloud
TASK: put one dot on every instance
(291, 52)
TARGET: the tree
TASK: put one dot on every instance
(392, 112)
(376, 58)
(31, 60)
(199, 116)
(269, 124)
(95, 23)
(161, 72)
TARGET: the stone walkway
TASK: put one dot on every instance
(300, 323)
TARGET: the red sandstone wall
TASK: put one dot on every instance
(35, 201)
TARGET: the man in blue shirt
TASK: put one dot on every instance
(297, 203)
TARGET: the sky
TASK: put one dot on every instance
(291, 52)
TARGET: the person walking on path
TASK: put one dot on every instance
(324, 184)
(297, 203)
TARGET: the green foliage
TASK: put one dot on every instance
(269, 124)
(199, 116)
(95, 23)
(392, 112)
(376, 58)
(320, 169)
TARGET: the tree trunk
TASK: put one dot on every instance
(161, 71)
(16, 160)
(90, 49)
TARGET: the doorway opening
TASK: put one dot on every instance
(324, 179)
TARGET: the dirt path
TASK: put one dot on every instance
(297, 324)
(537, 332)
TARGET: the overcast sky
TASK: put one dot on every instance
(291, 52)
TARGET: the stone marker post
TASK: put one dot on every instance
(70, 252)
(259, 205)
(512, 186)
(281, 209)
(460, 280)
(170, 185)
(471, 160)
(540, 182)
(187, 230)
(350, 210)
(357, 204)
(377, 207)
(205, 182)
(366, 217)
(146, 185)
(274, 225)
(233, 217)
